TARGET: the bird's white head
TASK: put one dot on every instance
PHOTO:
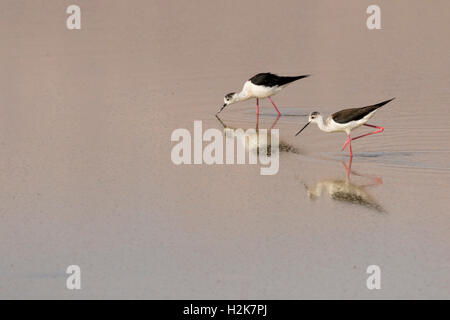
(229, 98)
(314, 116)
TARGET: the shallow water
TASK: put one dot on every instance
(87, 177)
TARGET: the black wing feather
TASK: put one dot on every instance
(355, 114)
(272, 80)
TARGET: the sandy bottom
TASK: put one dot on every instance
(87, 179)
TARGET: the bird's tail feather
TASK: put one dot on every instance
(376, 106)
(286, 80)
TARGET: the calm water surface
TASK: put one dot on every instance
(85, 140)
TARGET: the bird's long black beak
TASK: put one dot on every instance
(221, 122)
(224, 105)
(302, 128)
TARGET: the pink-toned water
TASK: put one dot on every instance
(87, 179)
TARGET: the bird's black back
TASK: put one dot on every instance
(355, 114)
(272, 80)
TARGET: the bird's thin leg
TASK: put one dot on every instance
(257, 106)
(274, 123)
(279, 113)
(349, 168)
(349, 143)
(346, 142)
(380, 129)
(257, 121)
(350, 147)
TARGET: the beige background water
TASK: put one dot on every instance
(86, 175)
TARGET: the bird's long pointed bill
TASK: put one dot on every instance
(302, 129)
(221, 109)
(220, 120)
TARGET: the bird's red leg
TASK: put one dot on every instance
(349, 168)
(346, 143)
(274, 123)
(380, 129)
(257, 121)
(349, 143)
(350, 147)
(279, 113)
(257, 106)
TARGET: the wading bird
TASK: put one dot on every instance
(346, 121)
(260, 86)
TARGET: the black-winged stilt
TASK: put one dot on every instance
(347, 120)
(262, 85)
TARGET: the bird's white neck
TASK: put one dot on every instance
(241, 96)
(321, 123)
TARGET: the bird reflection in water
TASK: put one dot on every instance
(346, 191)
(254, 143)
